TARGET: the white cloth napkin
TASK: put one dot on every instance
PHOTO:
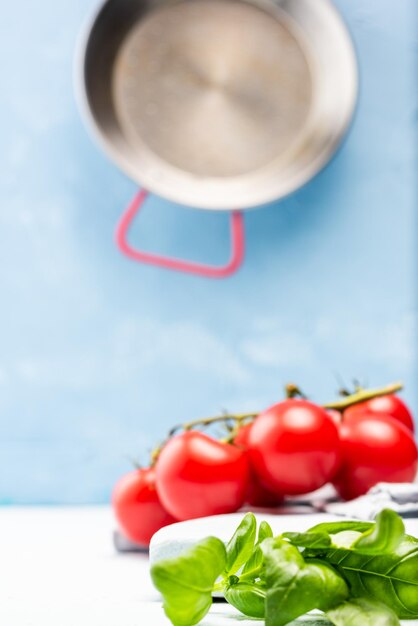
(401, 497)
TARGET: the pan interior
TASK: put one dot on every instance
(216, 88)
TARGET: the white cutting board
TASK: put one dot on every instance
(171, 540)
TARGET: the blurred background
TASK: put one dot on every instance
(100, 355)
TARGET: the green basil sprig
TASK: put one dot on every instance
(354, 573)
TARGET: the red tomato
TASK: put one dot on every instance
(375, 448)
(384, 405)
(257, 494)
(137, 507)
(294, 447)
(199, 476)
(335, 415)
(260, 496)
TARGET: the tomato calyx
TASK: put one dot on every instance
(293, 391)
(135, 463)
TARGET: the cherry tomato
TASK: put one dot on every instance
(137, 506)
(294, 447)
(375, 448)
(257, 494)
(384, 405)
(198, 476)
(335, 415)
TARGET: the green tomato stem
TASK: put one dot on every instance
(207, 421)
(362, 395)
(292, 391)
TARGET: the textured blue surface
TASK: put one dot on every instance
(100, 355)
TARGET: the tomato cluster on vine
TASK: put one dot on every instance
(292, 448)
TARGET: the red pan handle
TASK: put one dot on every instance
(208, 271)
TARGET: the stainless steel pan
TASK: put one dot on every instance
(218, 104)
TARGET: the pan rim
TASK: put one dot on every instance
(219, 193)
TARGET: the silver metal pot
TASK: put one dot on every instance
(218, 104)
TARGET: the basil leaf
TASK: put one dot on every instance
(390, 578)
(241, 545)
(363, 612)
(264, 532)
(249, 598)
(186, 582)
(309, 540)
(346, 538)
(384, 537)
(331, 528)
(295, 587)
(311, 620)
(252, 568)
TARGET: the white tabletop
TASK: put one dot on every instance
(58, 568)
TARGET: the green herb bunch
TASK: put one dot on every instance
(355, 573)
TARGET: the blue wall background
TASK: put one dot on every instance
(99, 355)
